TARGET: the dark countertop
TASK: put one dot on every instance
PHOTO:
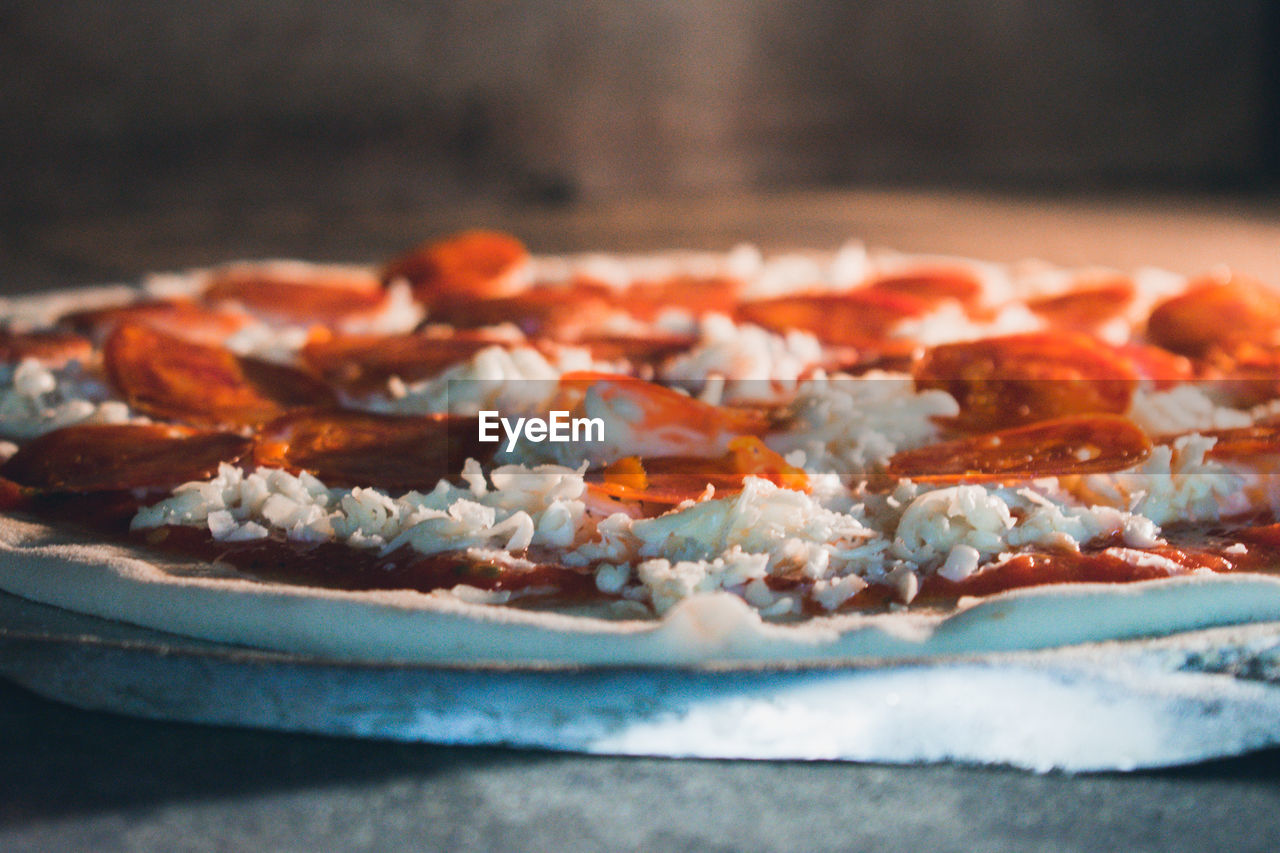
(72, 779)
(80, 780)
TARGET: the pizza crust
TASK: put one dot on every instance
(55, 567)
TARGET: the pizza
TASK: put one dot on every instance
(472, 452)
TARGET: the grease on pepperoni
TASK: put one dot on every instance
(349, 448)
(1021, 379)
(169, 377)
(1080, 445)
(115, 457)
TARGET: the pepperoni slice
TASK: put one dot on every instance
(1216, 310)
(651, 349)
(113, 457)
(1162, 368)
(1240, 443)
(12, 495)
(1244, 442)
(1088, 306)
(1026, 378)
(1080, 445)
(672, 479)
(337, 566)
(348, 448)
(366, 362)
(860, 318)
(297, 293)
(53, 347)
(1248, 373)
(932, 284)
(653, 420)
(558, 312)
(169, 377)
(1262, 534)
(472, 264)
(182, 317)
(1107, 566)
(645, 300)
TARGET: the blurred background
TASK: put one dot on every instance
(259, 127)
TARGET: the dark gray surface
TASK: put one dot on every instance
(73, 780)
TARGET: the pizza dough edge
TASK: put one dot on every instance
(126, 584)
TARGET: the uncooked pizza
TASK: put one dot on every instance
(477, 453)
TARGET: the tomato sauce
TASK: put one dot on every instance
(332, 565)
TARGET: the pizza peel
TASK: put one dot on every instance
(1095, 707)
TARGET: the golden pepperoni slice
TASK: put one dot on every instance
(1214, 311)
(348, 448)
(116, 457)
(1089, 306)
(181, 317)
(54, 347)
(933, 284)
(169, 377)
(289, 293)
(366, 362)
(1026, 378)
(472, 264)
(1080, 445)
(859, 319)
(672, 479)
